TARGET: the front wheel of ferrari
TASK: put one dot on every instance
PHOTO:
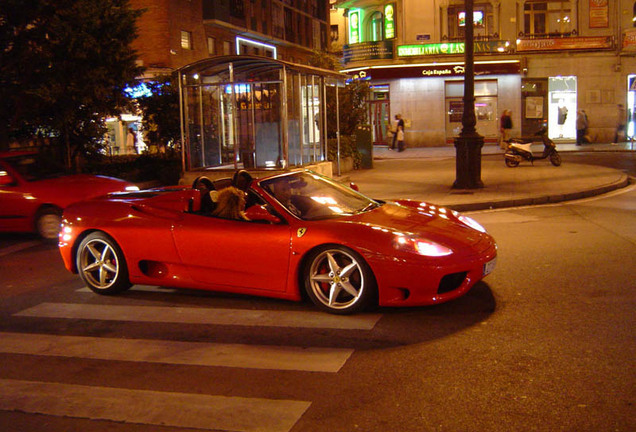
(101, 264)
(339, 281)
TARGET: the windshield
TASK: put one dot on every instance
(311, 196)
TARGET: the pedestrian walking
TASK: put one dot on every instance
(621, 122)
(504, 128)
(399, 133)
(581, 127)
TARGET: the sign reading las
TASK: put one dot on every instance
(451, 48)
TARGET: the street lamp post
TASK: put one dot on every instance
(469, 143)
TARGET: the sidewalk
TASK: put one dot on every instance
(428, 174)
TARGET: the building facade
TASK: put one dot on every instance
(541, 59)
(176, 33)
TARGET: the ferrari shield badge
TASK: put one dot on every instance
(301, 232)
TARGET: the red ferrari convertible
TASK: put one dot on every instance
(305, 235)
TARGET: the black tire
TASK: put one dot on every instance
(339, 281)
(511, 163)
(47, 223)
(555, 159)
(101, 264)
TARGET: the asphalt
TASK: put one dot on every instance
(428, 174)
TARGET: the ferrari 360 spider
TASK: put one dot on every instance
(305, 236)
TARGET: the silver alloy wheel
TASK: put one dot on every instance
(99, 264)
(48, 225)
(336, 279)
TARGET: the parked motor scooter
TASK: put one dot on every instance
(519, 149)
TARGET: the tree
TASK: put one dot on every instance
(161, 112)
(63, 67)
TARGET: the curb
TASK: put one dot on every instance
(624, 181)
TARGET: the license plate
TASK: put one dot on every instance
(490, 266)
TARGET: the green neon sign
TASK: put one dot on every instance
(430, 49)
(389, 21)
(355, 30)
(491, 47)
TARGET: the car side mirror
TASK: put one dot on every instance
(354, 186)
(260, 213)
(5, 178)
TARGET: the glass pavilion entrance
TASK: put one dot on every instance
(253, 112)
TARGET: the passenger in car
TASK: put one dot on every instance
(230, 204)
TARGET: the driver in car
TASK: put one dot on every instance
(283, 193)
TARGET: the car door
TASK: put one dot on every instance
(245, 254)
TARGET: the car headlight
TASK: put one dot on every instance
(471, 223)
(422, 247)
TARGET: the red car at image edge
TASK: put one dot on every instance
(32, 196)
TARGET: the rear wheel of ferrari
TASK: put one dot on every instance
(339, 281)
(101, 264)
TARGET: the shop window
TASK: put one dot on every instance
(376, 26)
(483, 22)
(547, 17)
(186, 40)
(562, 103)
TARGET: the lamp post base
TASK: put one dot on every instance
(468, 162)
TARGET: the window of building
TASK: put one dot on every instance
(237, 9)
(334, 32)
(211, 46)
(547, 17)
(483, 22)
(186, 40)
(227, 48)
(290, 30)
(376, 26)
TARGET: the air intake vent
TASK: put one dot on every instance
(451, 282)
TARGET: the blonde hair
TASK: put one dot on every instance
(230, 203)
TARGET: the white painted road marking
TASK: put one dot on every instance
(151, 407)
(18, 247)
(173, 314)
(176, 352)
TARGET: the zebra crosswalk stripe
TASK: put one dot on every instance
(185, 410)
(189, 315)
(177, 352)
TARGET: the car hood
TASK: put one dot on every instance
(422, 220)
(67, 189)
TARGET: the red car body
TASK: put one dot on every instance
(32, 202)
(277, 254)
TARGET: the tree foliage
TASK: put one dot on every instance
(161, 112)
(63, 67)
